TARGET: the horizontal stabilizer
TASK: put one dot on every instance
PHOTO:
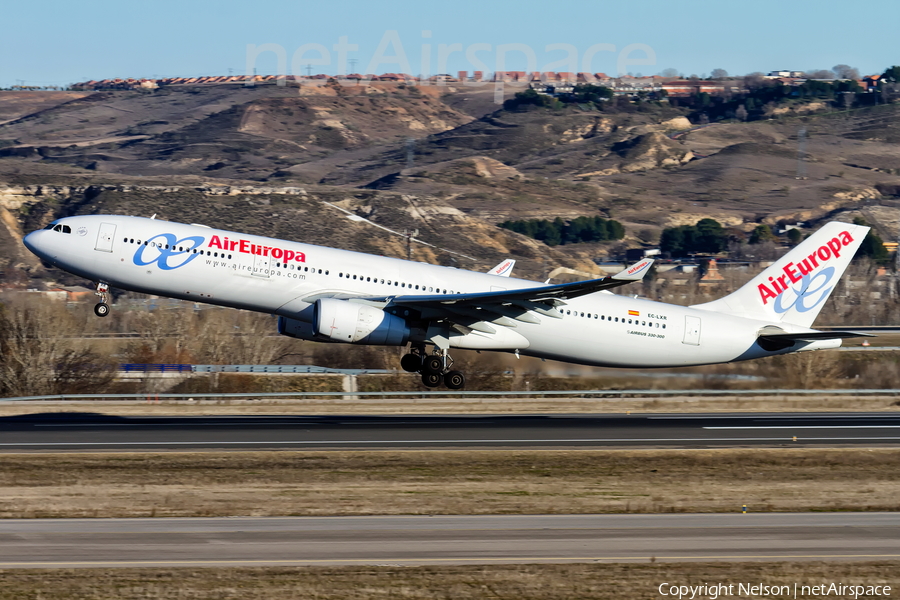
(815, 335)
(774, 339)
(503, 269)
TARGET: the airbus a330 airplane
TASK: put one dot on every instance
(329, 295)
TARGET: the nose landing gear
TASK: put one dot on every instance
(435, 368)
(102, 308)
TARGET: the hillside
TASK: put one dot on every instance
(444, 161)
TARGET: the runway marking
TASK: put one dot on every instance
(438, 441)
(229, 424)
(518, 559)
(803, 427)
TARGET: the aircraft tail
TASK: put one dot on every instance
(795, 288)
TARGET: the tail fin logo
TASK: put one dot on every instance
(801, 273)
(822, 279)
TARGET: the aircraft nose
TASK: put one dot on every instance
(33, 242)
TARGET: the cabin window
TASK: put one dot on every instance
(664, 325)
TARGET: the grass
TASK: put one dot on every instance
(522, 582)
(447, 482)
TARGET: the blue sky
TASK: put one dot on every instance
(56, 42)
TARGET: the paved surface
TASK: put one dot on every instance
(78, 431)
(426, 540)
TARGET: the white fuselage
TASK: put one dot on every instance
(201, 264)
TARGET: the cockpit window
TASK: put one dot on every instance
(50, 226)
(59, 227)
(67, 229)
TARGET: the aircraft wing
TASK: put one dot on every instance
(504, 307)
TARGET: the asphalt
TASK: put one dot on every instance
(423, 540)
(90, 432)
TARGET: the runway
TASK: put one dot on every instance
(423, 540)
(94, 432)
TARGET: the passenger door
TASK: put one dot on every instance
(105, 237)
(261, 266)
(692, 331)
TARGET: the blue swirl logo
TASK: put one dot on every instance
(806, 298)
(168, 252)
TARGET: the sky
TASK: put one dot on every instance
(58, 42)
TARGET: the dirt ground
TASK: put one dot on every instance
(522, 582)
(467, 405)
(446, 482)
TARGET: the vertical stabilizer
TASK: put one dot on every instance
(795, 288)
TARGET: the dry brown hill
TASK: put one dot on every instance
(445, 161)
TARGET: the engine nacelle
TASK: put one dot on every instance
(302, 330)
(353, 323)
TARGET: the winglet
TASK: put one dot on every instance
(635, 272)
(503, 269)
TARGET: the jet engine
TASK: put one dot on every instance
(353, 323)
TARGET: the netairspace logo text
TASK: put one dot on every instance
(713, 591)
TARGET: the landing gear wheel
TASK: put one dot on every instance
(102, 309)
(411, 363)
(433, 364)
(431, 379)
(454, 380)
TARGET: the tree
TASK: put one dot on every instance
(578, 230)
(670, 72)
(719, 74)
(740, 113)
(711, 236)
(873, 247)
(36, 357)
(819, 74)
(845, 72)
(671, 241)
(588, 92)
(529, 98)
(707, 237)
(794, 236)
(891, 74)
(761, 233)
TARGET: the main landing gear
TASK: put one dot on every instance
(102, 308)
(435, 368)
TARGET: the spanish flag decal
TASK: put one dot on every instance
(634, 313)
